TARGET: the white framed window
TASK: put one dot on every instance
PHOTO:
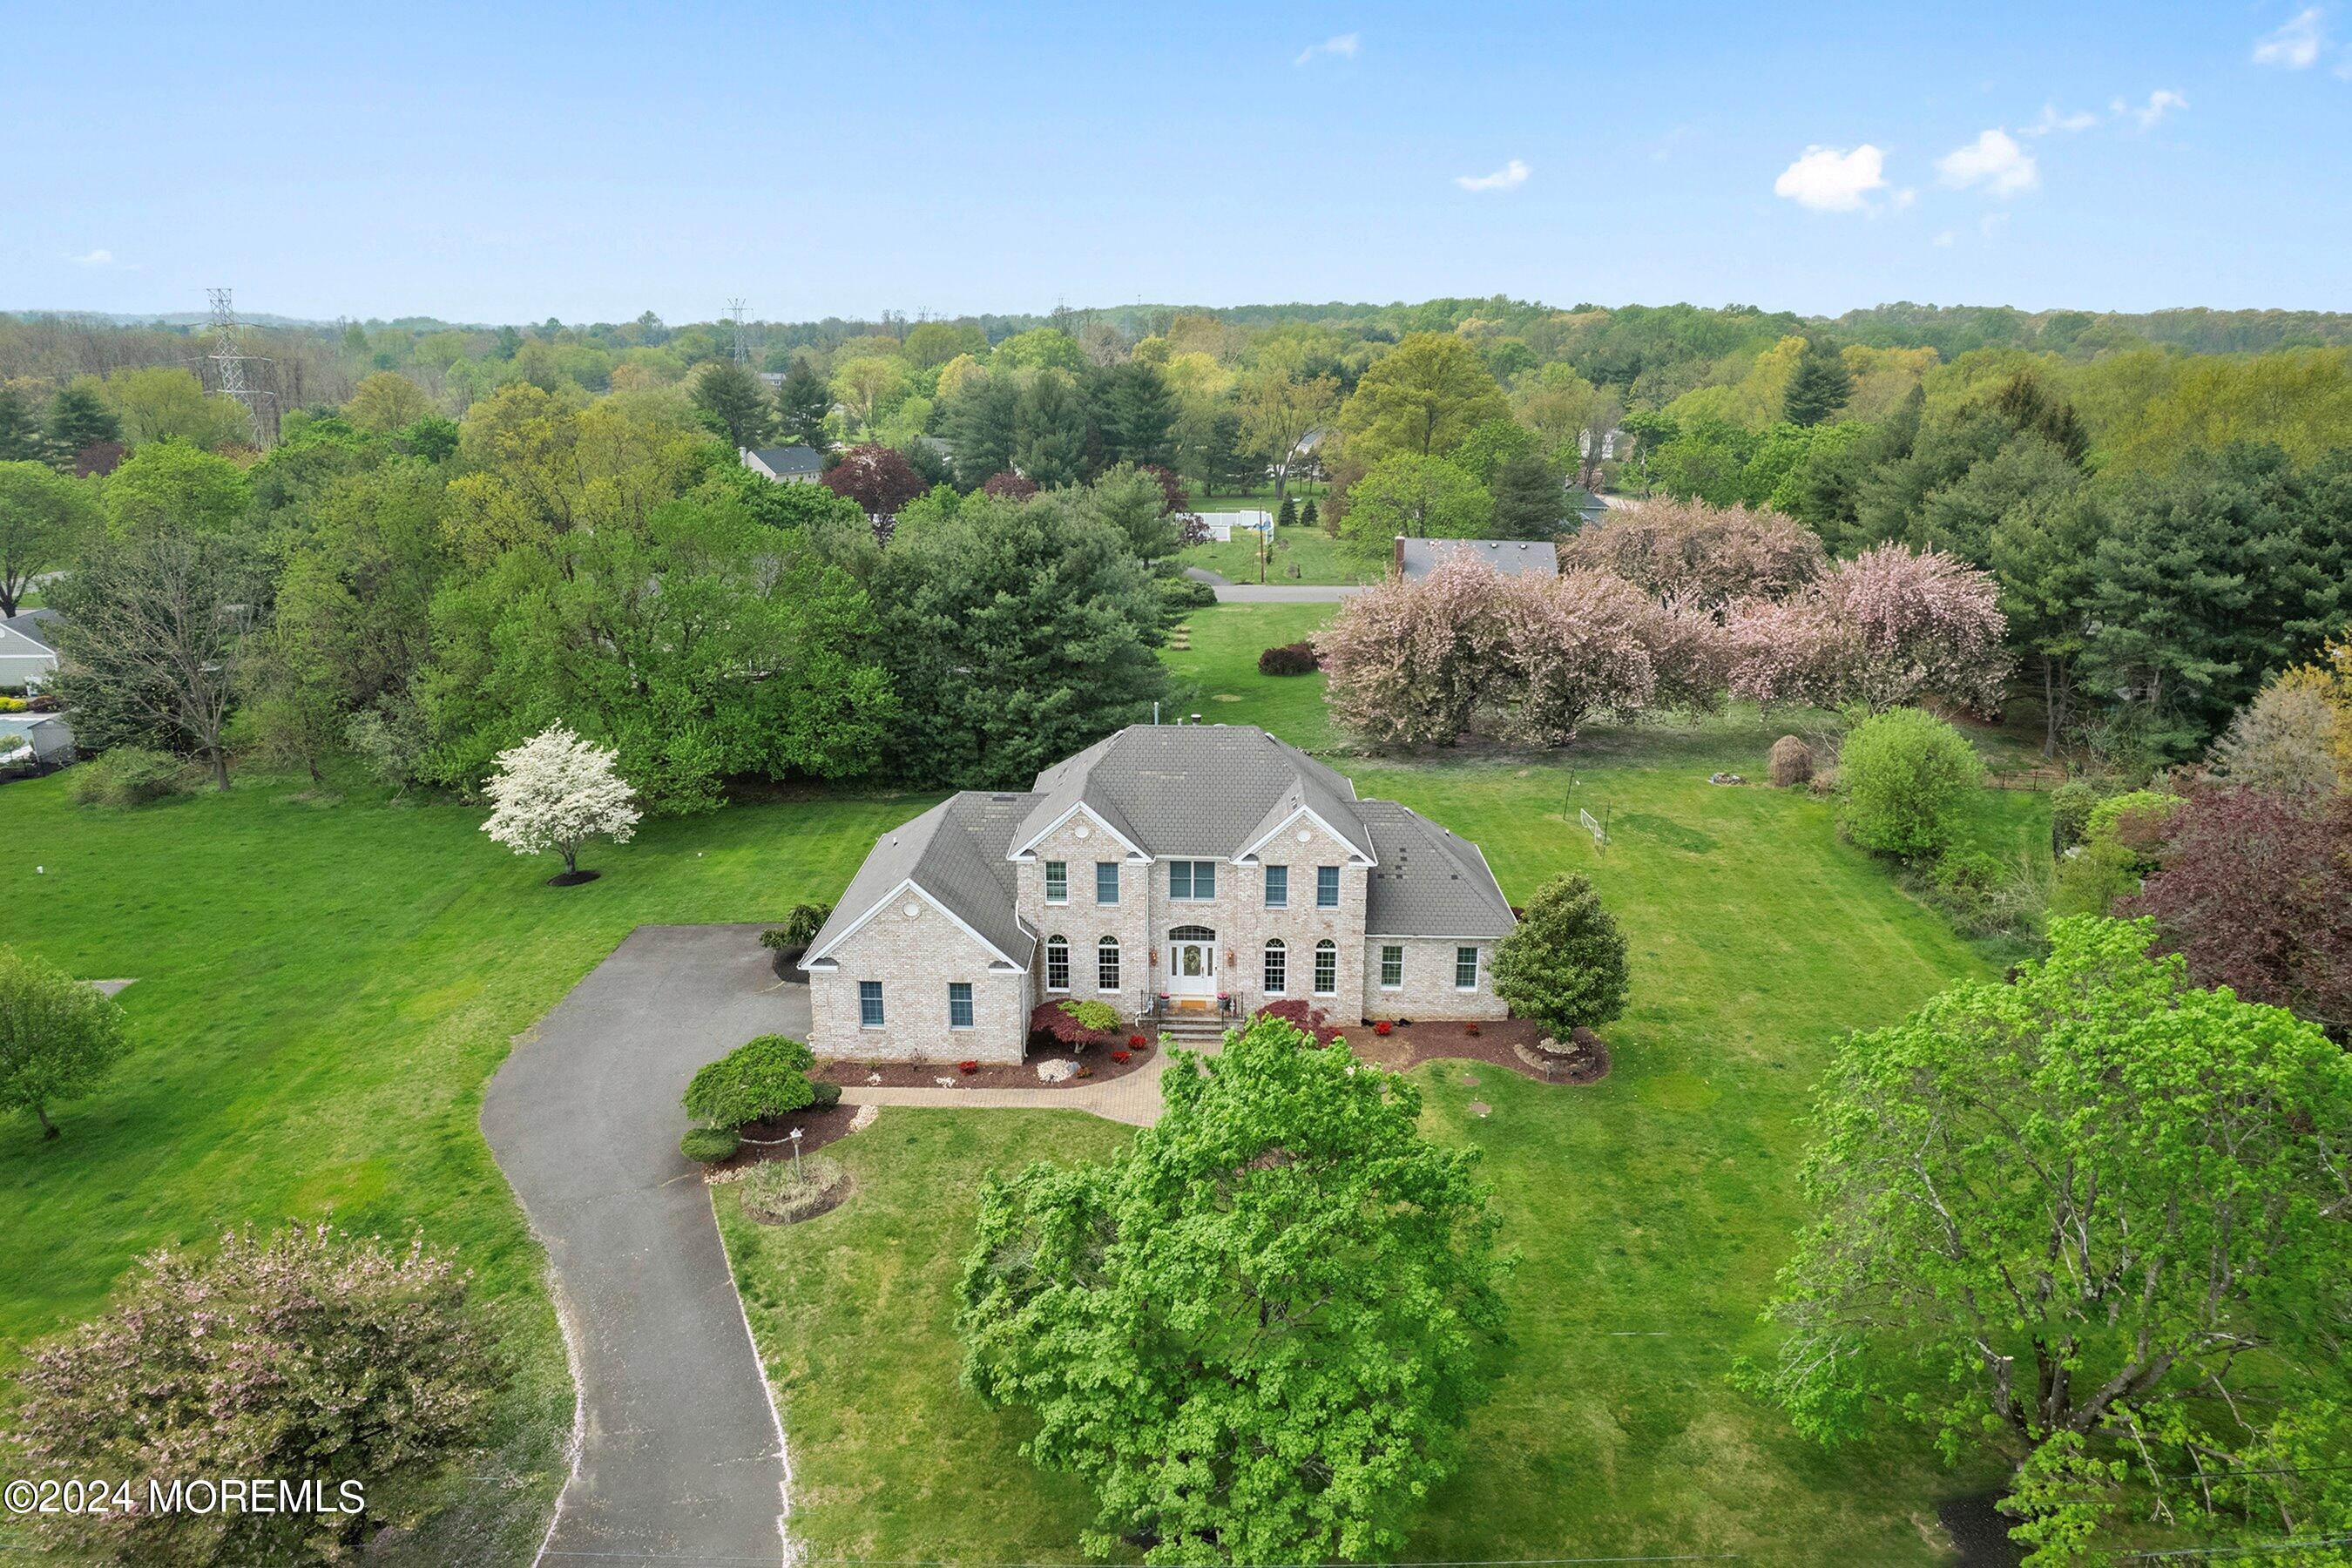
(1392, 967)
(1277, 968)
(1057, 964)
(1057, 881)
(1465, 969)
(959, 1003)
(1326, 967)
(1106, 881)
(1192, 880)
(1326, 887)
(1277, 886)
(869, 1003)
(1106, 965)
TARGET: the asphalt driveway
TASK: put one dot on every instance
(680, 1452)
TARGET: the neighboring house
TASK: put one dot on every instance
(1224, 525)
(787, 465)
(1203, 868)
(48, 739)
(1413, 559)
(29, 649)
(1589, 508)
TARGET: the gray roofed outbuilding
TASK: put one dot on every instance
(40, 624)
(1412, 558)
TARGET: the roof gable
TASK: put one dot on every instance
(1193, 790)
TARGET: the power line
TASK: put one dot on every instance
(735, 309)
(228, 362)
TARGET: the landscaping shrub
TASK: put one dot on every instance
(1290, 659)
(1564, 963)
(2093, 877)
(307, 1354)
(13, 705)
(1179, 596)
(1985, 896)
(1305, 1017)
(2070, 813)
(127, 776)
(2137, 821)
(827, 1093)
(1793, 762)
(779, 1192)
(760, 1080)
(708, 1145)
(1074, 1024)
(1905, 775)
(800, 927)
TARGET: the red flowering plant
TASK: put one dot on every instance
(967, 1068)
(1121, 1056)
(1136, 1042)
(1311, 1019)
(1383, 1027)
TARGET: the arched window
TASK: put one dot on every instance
(1057, 964)
(1277, 968)
(1106, 965)
(1326, 967)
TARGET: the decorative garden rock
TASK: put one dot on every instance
(1056, 1071)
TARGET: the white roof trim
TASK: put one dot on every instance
(907, 885)
(1355, 855)
(1021, 851)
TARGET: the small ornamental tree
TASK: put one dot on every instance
(1890, 626)
(1409, 661)
(311, 1353)
(1303, 1017)
(556, 792)
(1010, 486)
(1257, 1330)
(2286, 741)
(57, 1035)
(2254, 890)
(1903, 775)
(1573, 648)
(2094, 1218)
(1564, 964)
(757, 1081)
(1076, 1023)
(877, 477)
(1711, 556)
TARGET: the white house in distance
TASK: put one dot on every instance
(1193, 870)
(29, 649)
(1224, 525)
(786, 465)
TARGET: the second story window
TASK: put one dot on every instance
(1277, 886)
(1326, 887)
(1106, 881)
(1192, 880)
(1057, 881)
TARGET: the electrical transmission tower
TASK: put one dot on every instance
(229, 362)
(735, 309)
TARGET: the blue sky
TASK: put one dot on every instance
(497, 162)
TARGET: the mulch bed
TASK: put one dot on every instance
(573, 878)
(787, 965)
(1096, 1067)
(774, 1140)
(1500, 1043)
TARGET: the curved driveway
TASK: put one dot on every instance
(680, 1452)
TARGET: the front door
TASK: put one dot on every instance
(1192, 966)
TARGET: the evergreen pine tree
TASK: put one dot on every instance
(1309, 514)
(1821, 386)
(79, 418)
(802, 402)
(982, 427)
(1288, 516)
(1529, 499)
(20, 429)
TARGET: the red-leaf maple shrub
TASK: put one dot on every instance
(1290, 659)
(1009, 486)
(877, 477)
(1078, 1025)
(1307, 1016)
(2253, 889)
(967, 1068)
(1179, 501)
(1135, 1042)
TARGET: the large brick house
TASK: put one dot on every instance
(1194, 868)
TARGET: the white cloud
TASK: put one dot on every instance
(1342, 46)
(1993, 161)
(95, 259)
(2081, 120)
(1509, 177)
(1947, 236)
(2160, 102)
(2294, 45)
(1832, 180)
(1905, 199)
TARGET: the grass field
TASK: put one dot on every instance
(1650, 1211)
(1301, 556)
(321, 993)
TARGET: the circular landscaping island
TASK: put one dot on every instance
(1514, 1043)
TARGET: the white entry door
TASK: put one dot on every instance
(1192, 966)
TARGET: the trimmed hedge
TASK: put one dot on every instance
(708, 1145)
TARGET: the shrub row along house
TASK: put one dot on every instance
(1187, 868)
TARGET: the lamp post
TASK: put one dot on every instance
(795, 1136)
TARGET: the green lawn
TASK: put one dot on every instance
(321, 993)
(1301, 556)
(1217, 677)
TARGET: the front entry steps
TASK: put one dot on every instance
(1193, 1029)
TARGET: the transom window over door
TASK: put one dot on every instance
(1192, 880)
(1277, 967)
(1326, 967)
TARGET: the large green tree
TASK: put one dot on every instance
(1422, 398)
(172, 486)
(1418, 497)
(57, 1035)
(1051, 448)
(2097, 1218)
(21, 440)
(45, 518)
(1258, 1331)
(1015, 634)
(803, 401)
(1564, 963)
(79, 418)
(982, 426)
(1819, 386)
(1134, 413)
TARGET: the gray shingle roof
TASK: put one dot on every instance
(1511, 557)
(790, 460)
(1430, 881)
(956, 853)
(40, 624)
(1194, 789)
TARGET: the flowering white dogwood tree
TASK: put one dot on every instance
(556, 792)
